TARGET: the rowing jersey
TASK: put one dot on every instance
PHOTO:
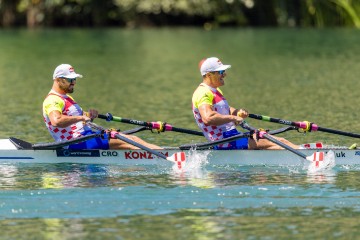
(205, 94)
(66, 105)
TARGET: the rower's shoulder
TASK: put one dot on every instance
(201, 89)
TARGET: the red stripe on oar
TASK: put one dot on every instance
(318, 157)
(182, 157)
(179, 158)
(316, 160)
(175, 157)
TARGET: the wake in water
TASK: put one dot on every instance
(194, 161)
(194, 172)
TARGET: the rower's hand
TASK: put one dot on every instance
(86, 119)
(92, 114)
(238, 120)
(89, 116)
(243, 113)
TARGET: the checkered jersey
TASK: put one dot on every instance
(205, 94)
(66, 105)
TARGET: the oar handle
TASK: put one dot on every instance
(153, 125)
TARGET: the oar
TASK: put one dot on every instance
(153, 125)
(208, 145)
(304, 125)
(178, 158)
(21, 144)
(318, 160)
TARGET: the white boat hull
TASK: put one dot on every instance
(10, 154)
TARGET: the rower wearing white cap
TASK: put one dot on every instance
(215, 117)
(65, 119)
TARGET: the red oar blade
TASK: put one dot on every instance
(321, 161)
(178, 158)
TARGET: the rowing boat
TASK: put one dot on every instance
(11, 153)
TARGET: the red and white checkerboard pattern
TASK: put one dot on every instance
(220, 105)
(71, 108)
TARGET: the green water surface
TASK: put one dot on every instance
(150, 75)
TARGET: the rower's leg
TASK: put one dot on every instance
(118, 144)
(266, 144)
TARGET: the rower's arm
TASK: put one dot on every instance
(243, 113)
(59, 120)
(211, 117)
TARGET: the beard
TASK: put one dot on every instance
(67, 89)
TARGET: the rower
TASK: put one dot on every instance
(215, 117)
(65, 119)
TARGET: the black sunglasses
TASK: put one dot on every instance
(70, 80)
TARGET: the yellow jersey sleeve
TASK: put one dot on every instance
(202, 95)
(53, 103)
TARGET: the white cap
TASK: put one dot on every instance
(65, 71)
(211, 64)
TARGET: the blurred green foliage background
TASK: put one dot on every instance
(205, 13)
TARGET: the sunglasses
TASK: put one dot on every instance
(70, 80)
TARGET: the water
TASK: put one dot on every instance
(210, 202)
(150, 75)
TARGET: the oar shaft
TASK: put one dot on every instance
(272, 139)
(207, 145)
(302, 125)
(264, 134)
(188, 131)
(127, 140)
(348, 134)
(271, 119)
(153, 125)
